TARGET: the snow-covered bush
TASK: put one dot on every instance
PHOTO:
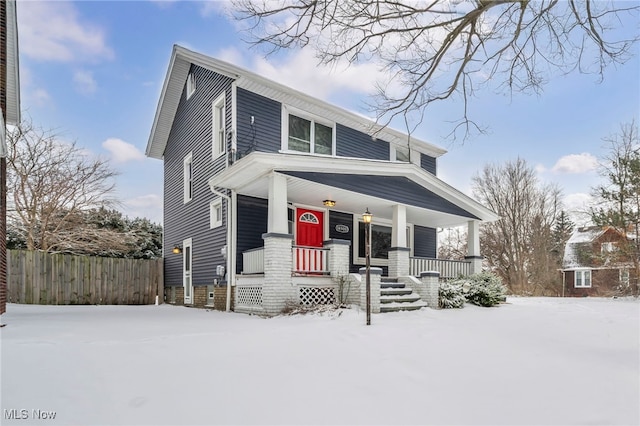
(450, 295)
(483, 289)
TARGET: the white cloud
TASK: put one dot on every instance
(577, 206)
(300, 70)
(39, 97)
(53, 31)
(146, 201)
(84, 82)
(576, 163)
(149, 206)
(540, 168)
(122, 151)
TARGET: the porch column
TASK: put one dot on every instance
(399, 252)
(278, 286)
(277, 217)
(473, 246)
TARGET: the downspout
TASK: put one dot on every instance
(229, 245)
(563, 282)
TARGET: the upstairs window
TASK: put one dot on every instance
(309, 135)
(219, 123)
(191, 84)
(188, 177)
(583, 278)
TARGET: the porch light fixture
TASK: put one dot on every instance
(177, 249)
(366, 218)
(329, 203)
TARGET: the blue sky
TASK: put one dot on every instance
(93, 71)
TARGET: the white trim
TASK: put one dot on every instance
(187, 276)
(218, 130)
(258, 164)
(215, 219)
(357, 260)
(313, 119)
(583, 275)
(234, 118)
(180, 62)
(191, 84)
(187, 178)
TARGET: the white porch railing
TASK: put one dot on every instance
(310, 260)
(447, 268)
(253, 261)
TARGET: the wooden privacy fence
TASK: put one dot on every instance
(60, 279)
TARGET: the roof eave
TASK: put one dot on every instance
(261, 163)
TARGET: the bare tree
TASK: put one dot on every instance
(452, 243)
(519, 246)
(49, 183)
(436, 50)
(619, 197)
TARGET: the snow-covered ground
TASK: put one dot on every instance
(530, 361)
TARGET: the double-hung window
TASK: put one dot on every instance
(582, 278)
(188, 177)
(219, 121)
(306, 134)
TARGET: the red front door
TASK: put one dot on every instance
(309, 228)
(309, 234)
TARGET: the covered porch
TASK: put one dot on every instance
(295, 261)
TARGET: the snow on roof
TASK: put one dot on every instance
(579, 236)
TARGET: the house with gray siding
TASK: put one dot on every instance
(264, 191)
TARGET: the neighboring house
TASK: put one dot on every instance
(593, 264)
(9, 114)
(265, 186)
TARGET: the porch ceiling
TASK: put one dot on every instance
(312, 179)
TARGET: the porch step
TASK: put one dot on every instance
(395, 296)
(396, 307)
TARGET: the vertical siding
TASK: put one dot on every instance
(352, 143)
(428, 163)
(344, 219)
(265, 133)
(252, 223)
(424, 242)
(192, 132)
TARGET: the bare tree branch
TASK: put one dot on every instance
(436, 50)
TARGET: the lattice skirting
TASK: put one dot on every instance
(249, 296)
(317, 296)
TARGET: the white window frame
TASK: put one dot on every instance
(218, 137)
(187, 271)
(187, 176)
(357, 260)
(582, 274)
(286, 111)
(215, 219)
(394, 154)
(191, 84)
(624, 276)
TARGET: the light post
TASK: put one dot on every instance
(366, 218)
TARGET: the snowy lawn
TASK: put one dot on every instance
(530, 361)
